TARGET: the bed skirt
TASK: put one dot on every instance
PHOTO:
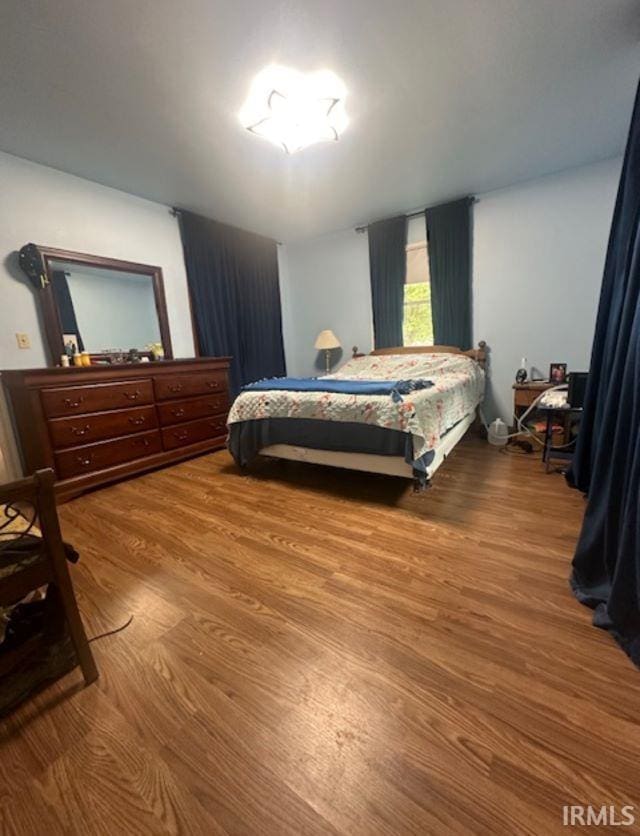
(248, 438)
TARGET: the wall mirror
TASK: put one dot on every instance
(111, 309)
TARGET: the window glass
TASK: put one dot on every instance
(417, 321)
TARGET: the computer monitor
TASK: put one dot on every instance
(577, 388)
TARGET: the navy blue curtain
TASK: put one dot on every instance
(606, 566)
(388, 270)
(449, 246)
(235, 297)
(64, 303)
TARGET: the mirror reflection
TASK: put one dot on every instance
(104, 311)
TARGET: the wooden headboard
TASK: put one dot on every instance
(478, 354)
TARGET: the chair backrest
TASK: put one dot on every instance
(31, 503)
(577, 389)
(21, 667)
(26, 490)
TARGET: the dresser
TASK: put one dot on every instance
(94, 425)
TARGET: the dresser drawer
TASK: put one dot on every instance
(92, 457)
(176, 412)
(183, 385)
(76, 400)
(184, 434)
(69, 432)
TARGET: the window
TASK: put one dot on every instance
(417, 322)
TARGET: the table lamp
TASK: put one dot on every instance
(325, 341)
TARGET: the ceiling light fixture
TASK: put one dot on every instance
(294, 109)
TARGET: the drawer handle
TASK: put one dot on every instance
(216, 425)
(85, 461)
(73, 404)
(213, 384)
(175, 387)
(132, 396)
(79, 431)
(144, 441)
(137, 421)
(183, 436)
(177, 413)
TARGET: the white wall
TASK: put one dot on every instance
(539, 250)
(46, 206)
(325, 284)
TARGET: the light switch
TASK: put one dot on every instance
(23, 341)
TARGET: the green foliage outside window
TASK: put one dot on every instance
(417, 324)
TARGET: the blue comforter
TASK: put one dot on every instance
(395, 388)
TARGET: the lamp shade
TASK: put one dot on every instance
(327, 339)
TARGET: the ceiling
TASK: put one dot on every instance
(446, 97)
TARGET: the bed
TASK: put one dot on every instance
(408, 435)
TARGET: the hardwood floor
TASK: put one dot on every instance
(318, 651)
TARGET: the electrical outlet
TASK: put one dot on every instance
(23, 341)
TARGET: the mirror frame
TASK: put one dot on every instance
(51, 316)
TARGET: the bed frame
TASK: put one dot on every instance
(387, 465)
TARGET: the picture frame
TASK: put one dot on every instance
(71, 339)
(558, 373)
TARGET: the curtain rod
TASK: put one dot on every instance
(177, 212)
(418, 214)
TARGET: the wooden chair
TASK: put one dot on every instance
(41, 565)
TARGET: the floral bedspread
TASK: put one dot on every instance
(427, 414)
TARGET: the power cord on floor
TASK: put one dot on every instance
(519, 420)
(112, 632)
(518, 448)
